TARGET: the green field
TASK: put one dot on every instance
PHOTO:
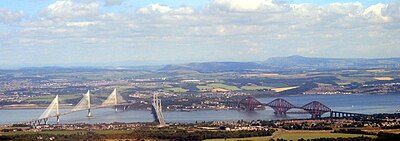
(313, 135)
(154, 86)
(275, 85)
(242, 139)
(204, 87)
(252, 88)
(223, 86)
(176, 90)
(295, 136)
(122, 88)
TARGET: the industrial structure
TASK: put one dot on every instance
(157, 110)
(281, 106)
(114, 100)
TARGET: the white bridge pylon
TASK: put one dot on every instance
(52, 110)
(84, 104)
(113, 99)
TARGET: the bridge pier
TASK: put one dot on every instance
(249, 103)
(45, 120)
(89, 113)
(316, 115)
(280, 110)
(337, 114)
(58, 119)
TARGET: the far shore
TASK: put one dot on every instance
(29, 106)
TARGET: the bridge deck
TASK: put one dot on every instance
(65, 113)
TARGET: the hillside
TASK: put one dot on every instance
(310, 62)
(290, 62)
(215, 66)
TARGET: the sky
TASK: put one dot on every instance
(154, 32)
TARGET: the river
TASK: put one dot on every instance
(366, 104)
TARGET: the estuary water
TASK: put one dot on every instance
(366, 104)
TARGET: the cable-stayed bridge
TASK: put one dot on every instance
(114, 100)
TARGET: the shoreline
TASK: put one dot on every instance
(35, 106)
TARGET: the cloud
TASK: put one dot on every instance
(247, 5)
(375, 13)
(158, 8)
(69, 9)
(255, 29)
(7, 16)
(80, 24)
(113, 2)
(250, 51)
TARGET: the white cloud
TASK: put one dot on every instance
(247, 5)
(80, 24)
(183, 10)
(375, 13)
(158, 8)
(68, 9)
(113, 2)
(255, 29)
(7, 16)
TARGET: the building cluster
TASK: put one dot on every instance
(79, 126)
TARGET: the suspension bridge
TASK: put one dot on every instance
(114, 100)
(281, 107)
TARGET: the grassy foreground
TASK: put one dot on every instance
(295, 136)
(287, 135)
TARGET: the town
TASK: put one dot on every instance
(185, 90)
(384, 126)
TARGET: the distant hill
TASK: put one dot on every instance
(290, 62)
(310, 62)
(215, 66)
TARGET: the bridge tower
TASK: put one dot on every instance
(114, 94)
(280, 106)
(316, 109)
(88, 104)
(113, 100)
(84, 104)
(249, 103)
(157, 110)
(51, 111)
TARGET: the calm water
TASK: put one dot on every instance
(367, 104)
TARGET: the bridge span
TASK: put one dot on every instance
(282, 106)
(114, 101)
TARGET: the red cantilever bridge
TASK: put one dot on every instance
(281, 106)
